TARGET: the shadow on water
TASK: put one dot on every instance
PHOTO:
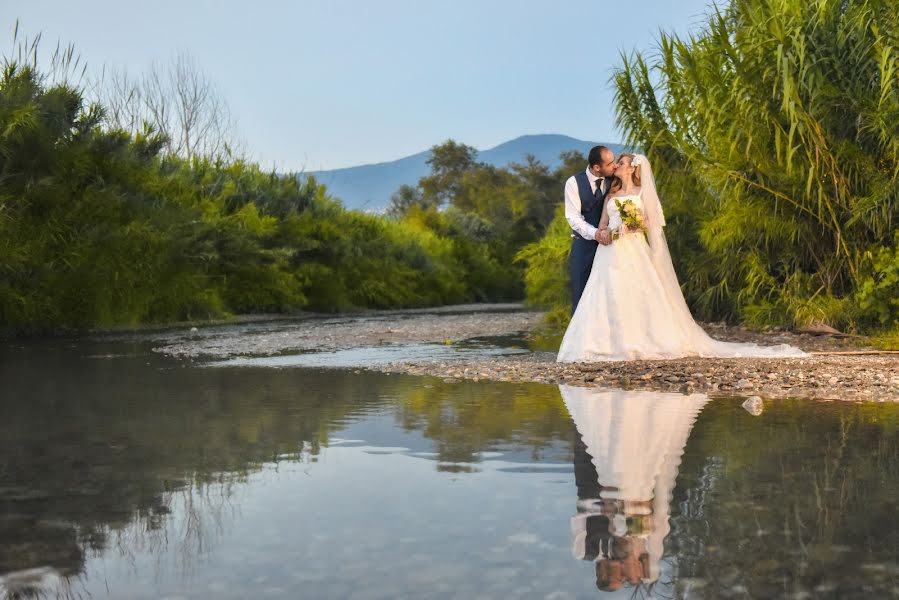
(125, 469)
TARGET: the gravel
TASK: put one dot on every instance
(440, 325)
(824, 375)
(869, 377)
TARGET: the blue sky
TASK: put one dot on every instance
(330, 83)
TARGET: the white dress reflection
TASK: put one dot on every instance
(625, 469)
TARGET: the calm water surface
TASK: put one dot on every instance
(124, 474)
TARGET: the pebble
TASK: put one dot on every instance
(754, 405)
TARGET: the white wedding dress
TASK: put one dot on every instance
(632, 307)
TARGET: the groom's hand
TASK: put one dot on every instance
(602, 236)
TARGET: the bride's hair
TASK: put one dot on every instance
(616, 185)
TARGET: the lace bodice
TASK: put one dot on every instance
(614, 216)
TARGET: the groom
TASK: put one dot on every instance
(585, 195)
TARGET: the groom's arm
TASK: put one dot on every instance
(573, 212)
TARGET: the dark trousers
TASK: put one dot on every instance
(580, 261)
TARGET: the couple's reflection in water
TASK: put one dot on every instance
(626, 456)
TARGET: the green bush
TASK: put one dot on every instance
(776, 129)
(773, 131)
(98, 229)
(877, 296)
(546, 277)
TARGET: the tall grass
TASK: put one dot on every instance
(774, 133)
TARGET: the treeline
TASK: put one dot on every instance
(101, 225)
(773, 131)
(774, 134)
(489, 212)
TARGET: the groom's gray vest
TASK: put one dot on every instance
(591, 206)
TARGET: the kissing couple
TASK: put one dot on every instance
(626, 301)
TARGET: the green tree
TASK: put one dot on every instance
(491, 213)
(100, 227)
(449, 162)
(402, 201)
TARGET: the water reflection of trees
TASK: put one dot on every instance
(110, 454)
(464, 419)
(800, 503)
(100, 454)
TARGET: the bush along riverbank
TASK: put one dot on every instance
(100, 227)
(780, 181)
(773, 132)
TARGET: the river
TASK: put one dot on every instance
(125, 473)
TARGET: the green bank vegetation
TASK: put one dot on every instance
(107, 218)
(773, 130)
(774, 134)
(100, 227)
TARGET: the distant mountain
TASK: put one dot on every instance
(369, 187)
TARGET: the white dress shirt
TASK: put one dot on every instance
(573, 205)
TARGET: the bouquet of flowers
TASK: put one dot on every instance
(631, 218)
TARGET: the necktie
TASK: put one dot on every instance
(598, 193)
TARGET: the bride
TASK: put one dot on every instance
(632, 306)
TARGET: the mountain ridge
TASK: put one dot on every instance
(369, 186)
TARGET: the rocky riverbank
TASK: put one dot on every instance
(839, 368)
(443, 325)
(835, 371)
(866, 377)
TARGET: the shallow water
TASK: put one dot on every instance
(127, 474)
(383, 354)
